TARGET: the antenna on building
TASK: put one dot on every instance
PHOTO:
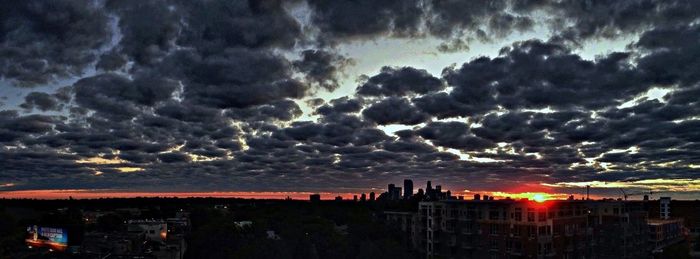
(588, 192)
(624, 195)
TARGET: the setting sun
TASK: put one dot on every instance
(534, 196)
(538, 197)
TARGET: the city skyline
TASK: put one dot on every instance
(401, 194)
(269, 99)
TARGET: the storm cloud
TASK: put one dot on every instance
(258, 95)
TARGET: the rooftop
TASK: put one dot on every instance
(663, 221)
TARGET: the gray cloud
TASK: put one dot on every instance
(196, 94)
(400, 81)
(322, 67)
(41, 41)
(119, 97)
(41, 101)
(394, 110)
(453, 135)
(361, 19)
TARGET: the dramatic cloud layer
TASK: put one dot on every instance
(208, 95)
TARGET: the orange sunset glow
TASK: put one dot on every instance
(534, 196)
(96, 194)
(350, 128)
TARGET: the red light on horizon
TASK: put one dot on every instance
(96, 194)
(538, 197)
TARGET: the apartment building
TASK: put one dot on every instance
(527, 229)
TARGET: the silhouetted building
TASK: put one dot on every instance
(363, 197)
(407, 188)
(527, 229)
(665, 232)
(665, 207)
(404, 222)
(371, 196)
(338, 198)
(396, 194)
(429, 192)
(619, 228)
(315, 197)
(688, 211)
(142, 239)
(390, 191)
(437, 193)
(112, 243)
(154, 230)
(354, 197)
(393, 193)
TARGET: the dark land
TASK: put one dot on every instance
(300, 229)
(382, 228)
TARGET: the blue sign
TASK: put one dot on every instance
(56, 236)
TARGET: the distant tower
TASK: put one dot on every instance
(407, 188)
(396, 194)
(665, 207)
(371, 196)
(588, 192)
(390, 191)
(477, 197)
(354, 197)
(363, 197)
(486, 197)
(429, 187)
(315, 197)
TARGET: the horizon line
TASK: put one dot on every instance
(93, 194)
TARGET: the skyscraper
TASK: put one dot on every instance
(429, 190)
(396, 194)
(371, 196)
(407, 188)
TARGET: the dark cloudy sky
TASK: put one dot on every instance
(346, 96)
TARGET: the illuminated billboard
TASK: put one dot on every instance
(53, 238)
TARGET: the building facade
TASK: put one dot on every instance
(528, 229)
(407, 188)
(665, 232)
